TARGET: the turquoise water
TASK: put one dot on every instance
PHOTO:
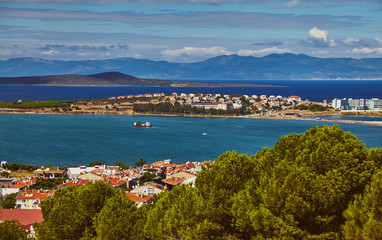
(66, 140)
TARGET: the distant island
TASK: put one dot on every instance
(227, 67)
(111, 79)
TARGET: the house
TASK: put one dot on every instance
(172, 182)
(92, 176)
(53, 172)
(294, 98)
(149, 189)
(26, 217)
(31, 199)
(116, 182)
(74, 172)
(139, 200)
(17, 186)
(75, 182)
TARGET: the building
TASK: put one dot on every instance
(31, 199)
(26, 217)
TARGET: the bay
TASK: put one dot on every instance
(66, 140)
(314, 90)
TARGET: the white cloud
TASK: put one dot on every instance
(319, 38)
(262, 52)
(320, 34)
(351, 41)
(379, 40)
(51, 52)
(194, 53)
(367, 50)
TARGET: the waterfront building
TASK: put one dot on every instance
(357, 104)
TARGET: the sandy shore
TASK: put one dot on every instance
(254, 116)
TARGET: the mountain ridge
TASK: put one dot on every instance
(286, 66)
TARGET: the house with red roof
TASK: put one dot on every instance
(17, 186)
(26, 217)
(116, 182)
(31, 199)
(76, 182)
(172, 182)
(139, 200)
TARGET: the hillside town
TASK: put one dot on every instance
(139, 183)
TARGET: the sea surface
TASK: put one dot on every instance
(66, 140)
(314, 90)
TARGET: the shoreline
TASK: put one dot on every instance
(374, 123)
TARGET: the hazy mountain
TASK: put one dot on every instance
(274, 66)
(101, 79)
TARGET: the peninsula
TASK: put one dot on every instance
(111, 79)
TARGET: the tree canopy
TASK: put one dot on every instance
(299, 189)
(364, 215)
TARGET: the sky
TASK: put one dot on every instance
(189, 30)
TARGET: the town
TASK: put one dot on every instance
(140, 184)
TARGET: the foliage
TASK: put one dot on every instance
(168, 108)
(96, 163)
(220, 182)
(35, 104)
(11, 230)
(4, 174)
(180, 214)
(140, 163)
(305, 184)
(147, 177)
(312, 107)
(117, 219)
(70, 211)
(364, 215)
(48, 184)
(121, 165)
(21, 167)
(9, 201)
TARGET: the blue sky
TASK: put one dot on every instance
(188, 30)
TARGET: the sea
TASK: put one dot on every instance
(67, 140)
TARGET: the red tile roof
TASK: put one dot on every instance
(34, 194)
(136, 198)
(24, 216)
(75, 183)
(173, 181)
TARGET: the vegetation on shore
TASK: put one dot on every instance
(322, 184)
(36, 104)
(168, 108)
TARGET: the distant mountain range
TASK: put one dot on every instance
(110, 79)
(232, 67)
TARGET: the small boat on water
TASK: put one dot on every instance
(139, 124)
(204, 134)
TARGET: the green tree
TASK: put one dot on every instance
(4, 174)
(92, 164)
(364, 215)
(180, 214)
(117, 219)
(140, 163)
(9, 201)
(305, 183)
(121, 165)
(147, 177)
(219, 183)
(48, 184)
(70, 211)
(11, 230)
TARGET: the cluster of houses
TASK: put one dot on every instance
(28, 198)
(223, 102)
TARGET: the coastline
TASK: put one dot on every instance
(130, 113)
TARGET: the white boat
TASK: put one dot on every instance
(204, 134)
(139, 124)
